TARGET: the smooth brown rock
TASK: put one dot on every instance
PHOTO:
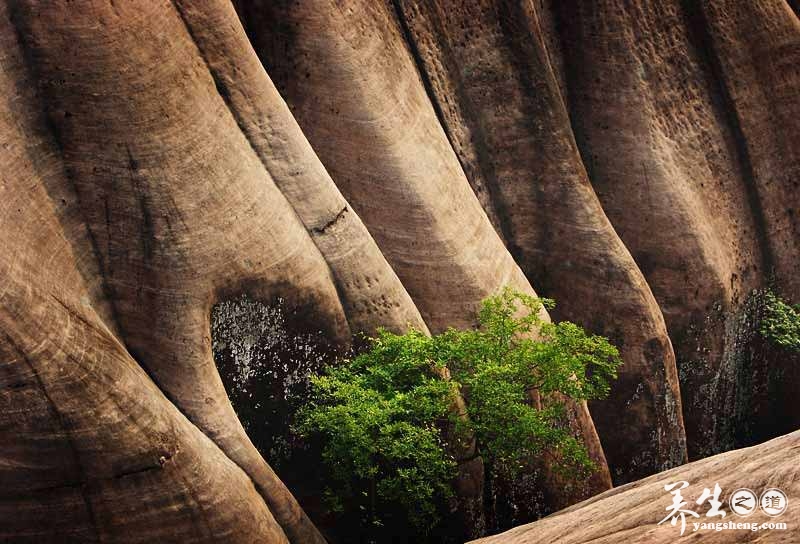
(760, 42)
(150, 160)
(368, 116)
(663, 140)
(492, 83)
(635, 160)
(91, 449)
(630, 513)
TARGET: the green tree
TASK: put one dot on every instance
(381, 417)
(378, 417)
(780, 323)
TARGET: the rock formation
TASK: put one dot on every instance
(632, 512)
(636, 161)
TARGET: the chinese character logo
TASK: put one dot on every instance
(773, 502)
(677, 510)
(713, 500)
(743, 502)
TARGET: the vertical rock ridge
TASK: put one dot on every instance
(676, 162)
(368, 116)
(510, 128)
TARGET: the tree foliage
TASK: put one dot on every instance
(382, 416)
(780, 323)
(379, 416)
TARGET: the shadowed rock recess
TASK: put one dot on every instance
(197, 188)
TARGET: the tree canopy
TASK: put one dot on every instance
(382, 416)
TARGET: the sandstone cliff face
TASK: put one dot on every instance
(512, 132)
(633, 160)
(703, 232)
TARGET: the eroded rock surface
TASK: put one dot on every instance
(634, 160)
(631, 513)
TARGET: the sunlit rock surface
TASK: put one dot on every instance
(632, 512)
(637, 161)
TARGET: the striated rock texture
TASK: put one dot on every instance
(511, 129)
(634, 160)
(631, 513)
(673, 155)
